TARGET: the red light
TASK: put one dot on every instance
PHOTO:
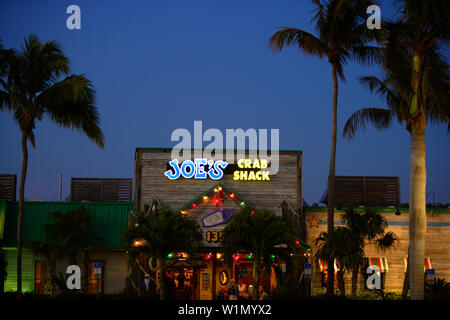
(253, 212)
(194, 205)
(231, 195)
(297, 242)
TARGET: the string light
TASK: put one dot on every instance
(242, 203)
(250, 255)
(215, 190)
(183, 211)
(219, 255)
(194, 205)
(231, 195)
(220, 188)
(205, 197)
(253, 211)
(170, 255)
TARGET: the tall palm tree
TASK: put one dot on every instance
(31, 88)
(160, 233)
(416, 88)
(343, 34)
(261, 233)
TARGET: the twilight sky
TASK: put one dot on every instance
(160, 65)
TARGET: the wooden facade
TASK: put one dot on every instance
(437, 243)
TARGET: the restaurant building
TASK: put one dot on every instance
(211, 200)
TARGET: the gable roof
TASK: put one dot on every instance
(232, 195)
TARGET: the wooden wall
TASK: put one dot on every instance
(437, 243)
(151, 183)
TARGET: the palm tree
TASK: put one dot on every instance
(69, 234)
(30, 89)
(348, 243)
(343, 34)
(415, 87)
(160, 233)
(337, 244)
(261, 233)
(365, 228)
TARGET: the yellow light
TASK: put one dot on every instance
(183, 212)
(219, 255)
(205, 197)
(220, 188)
(215, 190)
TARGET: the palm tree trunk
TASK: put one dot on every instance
(406, 282)
(417, 211)
(23, 175)
(354, 282)
(331, 179)
(341, 283)
(255, 276)
(163, 282)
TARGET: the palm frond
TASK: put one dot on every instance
(70, 103)
(305, 41)
(379, 118)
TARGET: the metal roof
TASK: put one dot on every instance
(108, 220)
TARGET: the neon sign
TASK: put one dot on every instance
(197, 169)
(260, 175)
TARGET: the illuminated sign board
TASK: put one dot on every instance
(197, 169)
(244, 170)
(252, 170)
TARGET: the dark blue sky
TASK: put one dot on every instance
(160, 65)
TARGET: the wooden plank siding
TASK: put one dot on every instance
(101, 189)
(8, 184)
(437, 243)
(152, 184)
(367, 191)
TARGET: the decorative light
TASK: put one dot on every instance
(231, 195)
(215, 189)
(209, 256)
(183, 211)
(205, 197)
(220, 188)
(242, 203)
(250, 255)
(273, 256)
(219, 255)
(253, 211)
(297, 242)
(139, 242)
(236, 256)
(194, 205)
(217, 201)
(170, 255)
